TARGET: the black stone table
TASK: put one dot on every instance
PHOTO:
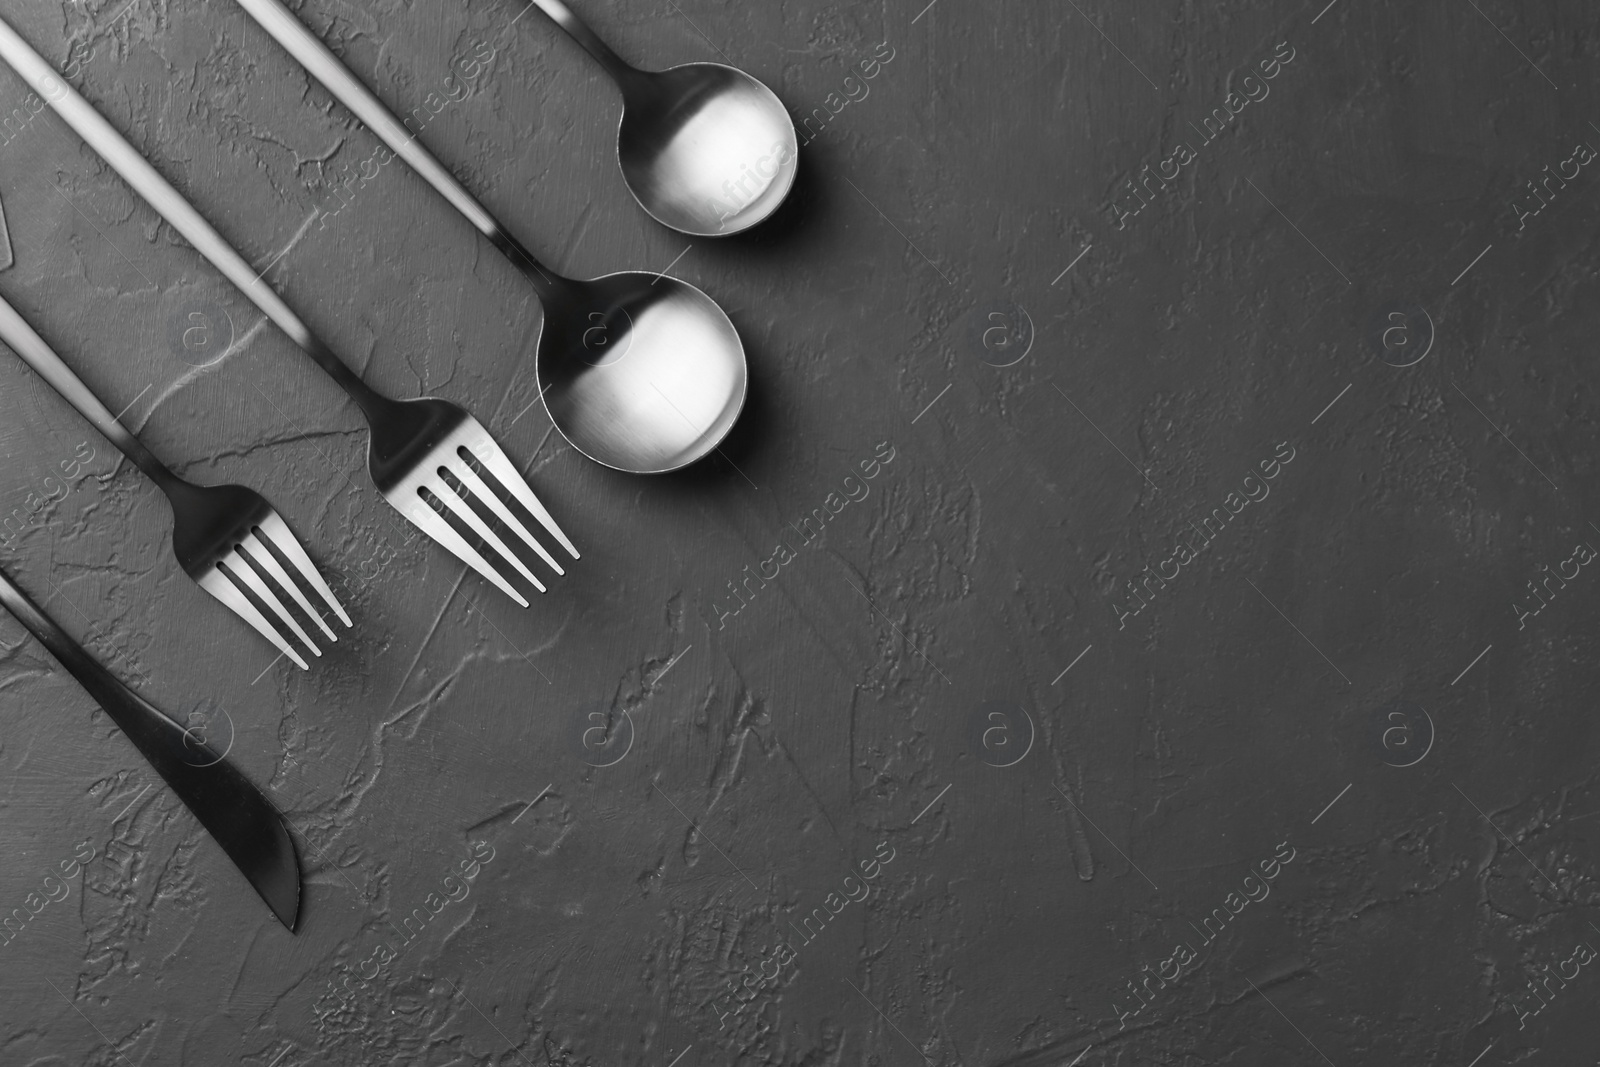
(1146, 614)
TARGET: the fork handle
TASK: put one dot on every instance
(26, 343)
(309, 49)
(170, 205)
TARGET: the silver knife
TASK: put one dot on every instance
(232, 810)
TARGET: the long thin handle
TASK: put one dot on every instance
(156, 734)
(169, 203)
(305, 46)
(228, 805)
(71, 654)
(562, 15)
(26, 343)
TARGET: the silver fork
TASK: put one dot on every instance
(428, 457)
(220, 534)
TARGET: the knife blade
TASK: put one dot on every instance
(235, 813)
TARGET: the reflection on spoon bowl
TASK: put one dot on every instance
(705, 148)
(643, 373)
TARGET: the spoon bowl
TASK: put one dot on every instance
(641, 372)
(705, 148)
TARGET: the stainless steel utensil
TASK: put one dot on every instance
(430, 459)
(696, 140)
(641, 372)
(220, 534)
(232, 810)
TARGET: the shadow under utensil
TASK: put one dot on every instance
(6, 257)
(806, 201)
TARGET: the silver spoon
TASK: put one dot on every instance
(705, 148)
(641, 372)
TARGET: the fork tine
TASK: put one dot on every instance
(239, 564)
(221, 586)
(432, 523)
(463, 511)
(269, 563)
(283, 538)
(485, 451)
(463, 470)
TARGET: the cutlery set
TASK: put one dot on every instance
(641, 372)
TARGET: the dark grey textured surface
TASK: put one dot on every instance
(1065, 400)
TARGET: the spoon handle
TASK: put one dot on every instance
(36, 353)
(305, 46)
(579, 31)
(170, 205)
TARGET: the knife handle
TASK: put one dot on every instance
(235, 813)
(163, 741)
(105, 689)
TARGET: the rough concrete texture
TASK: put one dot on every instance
(1321, 790)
